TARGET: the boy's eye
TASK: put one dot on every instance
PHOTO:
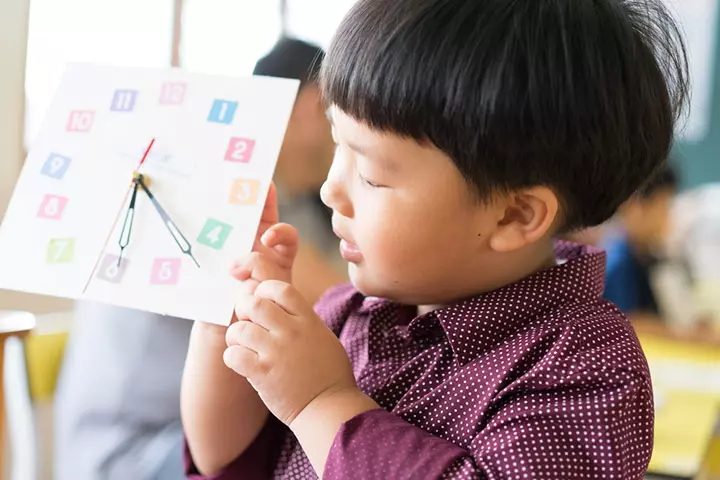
(368, 182)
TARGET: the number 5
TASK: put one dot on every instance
(166, 271)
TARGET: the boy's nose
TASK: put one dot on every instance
(334, 195)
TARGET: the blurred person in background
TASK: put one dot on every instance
(117, 408)
(663, 254)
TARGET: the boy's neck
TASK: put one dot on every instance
(545, 261)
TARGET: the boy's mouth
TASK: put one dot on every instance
(349, 251)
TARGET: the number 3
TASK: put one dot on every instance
(244, 192)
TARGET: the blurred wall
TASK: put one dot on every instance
(700, 157)
(13, 49)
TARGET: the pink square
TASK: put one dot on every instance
(172, 93)
(240, 150)
(165, 271)
(52, 207)
(80, 121)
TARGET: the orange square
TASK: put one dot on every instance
(244, 192)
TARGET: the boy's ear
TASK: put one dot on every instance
(527, 216)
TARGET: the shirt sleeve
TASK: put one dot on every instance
(255, 463)
(580, 430)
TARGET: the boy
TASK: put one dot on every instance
(644, 226)
(469, 133)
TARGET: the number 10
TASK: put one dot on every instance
(80, 121)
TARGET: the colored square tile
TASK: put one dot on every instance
(165, 271)
(223, 111)
(124, 100)
(61, 250)
(240, 150)
(214, 234)
(173, 93)
(55, 166)
(52, 207)
(109, 269)
(244, 192)
(80, 121)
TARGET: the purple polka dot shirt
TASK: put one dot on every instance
(541, 379)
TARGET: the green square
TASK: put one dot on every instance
(61, 250)
(214, 234)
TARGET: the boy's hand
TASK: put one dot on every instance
(273, 252)
(286, 351)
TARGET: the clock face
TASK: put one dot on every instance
(215, 142)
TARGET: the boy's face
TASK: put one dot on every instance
(409, 225)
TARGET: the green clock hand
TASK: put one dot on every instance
(177, 235)
(127, 224)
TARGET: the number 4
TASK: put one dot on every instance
(214, 234)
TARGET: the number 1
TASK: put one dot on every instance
(222, 111)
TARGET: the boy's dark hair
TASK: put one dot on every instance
(581, 96)
(291, 58)
(666, 178)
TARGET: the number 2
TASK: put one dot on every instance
(240, 150)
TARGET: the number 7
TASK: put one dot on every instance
(61, 250)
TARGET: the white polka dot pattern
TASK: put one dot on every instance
(540, 379)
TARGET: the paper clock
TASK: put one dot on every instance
(215, 142)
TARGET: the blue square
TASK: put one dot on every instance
(124, 100)
(223, 111)
(55, 166)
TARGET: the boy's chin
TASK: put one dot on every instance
(373, 287)
(367, 286)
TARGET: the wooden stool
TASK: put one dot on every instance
(12, 323)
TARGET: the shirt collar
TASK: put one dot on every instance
(480, 323)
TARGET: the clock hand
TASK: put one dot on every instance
(177, 235)
(127, 224)
(124, 240)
